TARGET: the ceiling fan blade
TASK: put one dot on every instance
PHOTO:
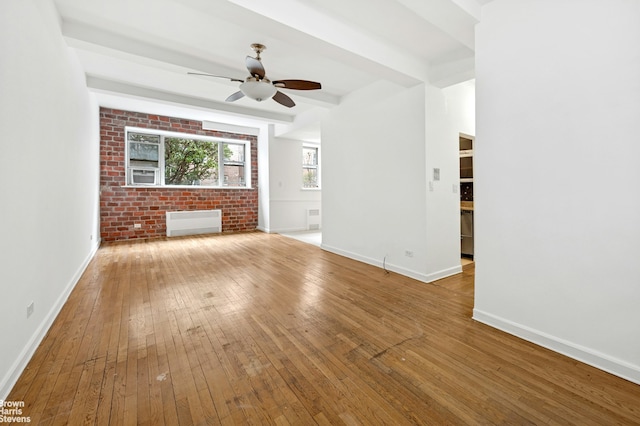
(297, 84)
(217, 76)
(234, 97)
(255, 67)
(283, 99)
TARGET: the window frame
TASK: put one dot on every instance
(307, 166)
(160, 170)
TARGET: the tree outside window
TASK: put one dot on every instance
(190, 162)
(310, 167)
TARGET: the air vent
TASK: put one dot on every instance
(313, 219)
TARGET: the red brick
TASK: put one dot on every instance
(121, 206)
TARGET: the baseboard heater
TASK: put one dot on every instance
(194, 222)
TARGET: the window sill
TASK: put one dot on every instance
(183, 187)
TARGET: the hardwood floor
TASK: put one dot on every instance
(263, 329)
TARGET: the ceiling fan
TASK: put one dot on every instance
(258, 87)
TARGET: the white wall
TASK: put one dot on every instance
(375, 189)
(461, 106)
(448, 112)
(556, 167)
(288, 201)
(264, 211)
(49, 166)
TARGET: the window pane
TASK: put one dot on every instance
(309, 167)
(190, 162)
(233, 164)
(309, 177)
(234, 175)
(309, 156)
(141, 137)
(233, 153)
(143, 152)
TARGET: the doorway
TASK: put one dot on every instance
(466, 146)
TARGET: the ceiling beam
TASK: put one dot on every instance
(456, 18)
(86, 37)
(115, 87)
(338, 40)
(82, 35)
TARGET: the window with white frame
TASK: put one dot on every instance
(176, 159)
(310, 167)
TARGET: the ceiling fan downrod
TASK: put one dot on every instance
(258, 48)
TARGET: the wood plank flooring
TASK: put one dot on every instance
(262, 329)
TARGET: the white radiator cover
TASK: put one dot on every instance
(194, 222)
(313, 219)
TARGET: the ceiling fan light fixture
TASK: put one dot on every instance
(257, 87)
(258, 90)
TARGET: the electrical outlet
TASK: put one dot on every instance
(408, 253)
(29, 309)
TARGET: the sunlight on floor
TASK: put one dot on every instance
(310, 237)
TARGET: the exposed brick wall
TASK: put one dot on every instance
(121, 207)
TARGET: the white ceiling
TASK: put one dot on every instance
(136, 53)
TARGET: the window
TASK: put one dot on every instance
(144, 159)
(310, 172)
(233, 164)
(174, 159)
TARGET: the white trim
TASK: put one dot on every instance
(230, 128)
(467, 136)
(161, 166)
(589, 356)
(426, 278)
(184, 187)
(14, 372)
(154, 131)
(286, 230)
(294, 200)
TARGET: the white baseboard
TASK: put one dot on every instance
(588, 356)
(281, 230)
(427, 278)
(286, 230)
(290, 230)
(12, 376)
